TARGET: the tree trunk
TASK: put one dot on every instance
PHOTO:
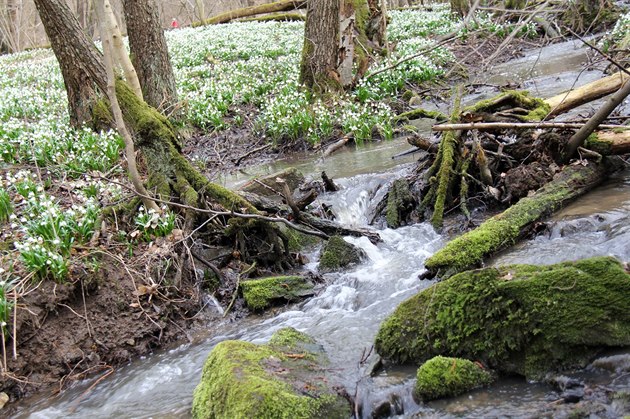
(339, 38)
(318, 69)
(80, 62)
(150, 54)
(461, 7)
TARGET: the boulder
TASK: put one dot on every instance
(282, 379)
(338, 254)
(448, 377)
(521, 319)
(261, 293)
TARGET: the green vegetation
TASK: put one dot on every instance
(243, 380)
(447, 377)
(338, 253)
(521, 319)
(263, 292)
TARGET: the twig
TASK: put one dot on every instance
(516, 30)
(411, 57)
(238, 283)
(89, 390)
(516, 125)
(599, 51)
(249, 153)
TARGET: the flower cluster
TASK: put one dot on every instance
(151, 223)
(44, 232)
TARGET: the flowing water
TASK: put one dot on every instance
(346, 314)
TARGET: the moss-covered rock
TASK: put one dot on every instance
(261, 293)
(278, 380)
(521, 319)
(447, 377)
(338, 254)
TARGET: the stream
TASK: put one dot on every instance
(345, 316)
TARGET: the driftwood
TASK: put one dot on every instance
(329, 185)
(502, 230)
(279, 6)
(337, 145)
(609, 143)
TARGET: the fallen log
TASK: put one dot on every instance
(602, 113)
(563, 102)
(277, 17)
(504, 229)
(608, 143)
(279, 6)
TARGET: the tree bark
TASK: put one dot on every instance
(150, 54)
(339, 38)
(318, 69)
(81, 63)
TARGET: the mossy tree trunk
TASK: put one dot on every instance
(339, 40)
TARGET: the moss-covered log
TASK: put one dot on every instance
(608, 143)
(282, 379)
(504, 229)
(277, 17)
(278, 6)
(520, 319)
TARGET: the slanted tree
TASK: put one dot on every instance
(340, 40)
(170, 175)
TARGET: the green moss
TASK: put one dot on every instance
(504, 229)
(338, 254)
(449, 145)
(421, 113)
(289, 338)
(298, 241)
(243, 380)
(262, 293)
(518, 319)
(538, 108)
(447, 377)
(595, 144)
(399, 203)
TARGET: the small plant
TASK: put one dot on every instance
(6, 208)
(6, 305)
(153, 224)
